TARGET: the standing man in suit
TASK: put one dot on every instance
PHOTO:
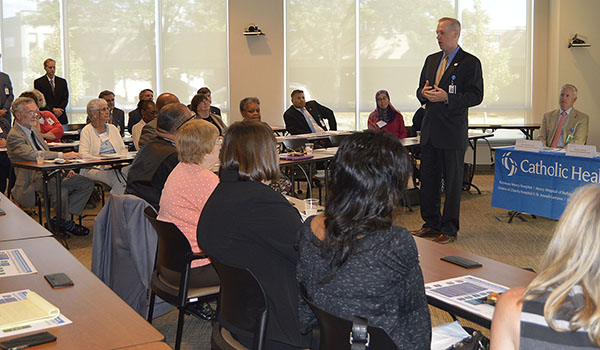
(307, 117)
(55, 91)
(566, 124)
(6, 97)
(117, 116)
(451, 82)
(136, 115)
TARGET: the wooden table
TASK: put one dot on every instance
(321, 155)
(51, 169)
(18, 225)
(101, 320)
(149, 346)
(526, 129)
(435, 269)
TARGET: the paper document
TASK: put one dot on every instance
(23, 307)
(14, 262)
(25, 311)
(466, 292)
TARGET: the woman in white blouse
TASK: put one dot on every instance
(99, 138)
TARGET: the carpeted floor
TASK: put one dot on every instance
(484, 231)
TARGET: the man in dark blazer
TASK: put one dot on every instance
(136, 115)
(55, 91)
(117, 116)
(6, 97)
(300, 113)
(451, 82)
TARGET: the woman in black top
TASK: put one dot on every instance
(247, 224)
(352, 260)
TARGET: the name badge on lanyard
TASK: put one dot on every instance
(452, 87)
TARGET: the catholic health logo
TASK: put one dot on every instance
(509, 164)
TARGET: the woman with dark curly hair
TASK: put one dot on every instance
(353, 261)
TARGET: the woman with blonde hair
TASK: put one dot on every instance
(186, 191)
(560, 307)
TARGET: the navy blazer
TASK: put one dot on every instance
(57, 99)
(295, 123)
(118, 119)
(445, 125)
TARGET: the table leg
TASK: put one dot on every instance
(46, 178)
(59, 206)
(473, 144)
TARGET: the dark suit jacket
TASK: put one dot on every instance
(134, 117)
(57, 99)
(6, 95)
(262, 238)
(215, 110)
(150, 169)
(295, 123)
(118, 119)
(446, 125)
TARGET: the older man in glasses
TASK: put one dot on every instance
(23, 144)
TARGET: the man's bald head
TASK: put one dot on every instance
(171, 117)
(164, 99)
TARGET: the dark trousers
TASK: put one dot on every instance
(435, 164)
(4, 171)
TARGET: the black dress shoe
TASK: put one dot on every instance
(443, 239)
(202, 310)
(426, 232)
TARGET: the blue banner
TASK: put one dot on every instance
(540, 183)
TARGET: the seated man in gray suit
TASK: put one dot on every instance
(307, 117)
(566, 124)
(23, 143)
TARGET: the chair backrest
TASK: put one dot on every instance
(335, 331)
(335, 140)
(72, 127)
(294, 144)
(174, 250)
(242, 302)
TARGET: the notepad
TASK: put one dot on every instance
(23, 307)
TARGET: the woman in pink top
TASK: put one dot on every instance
(187, 189)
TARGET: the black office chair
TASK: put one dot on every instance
(335, 140)
(294, 144)
(242, 306)
(174, 253)
(335, 333)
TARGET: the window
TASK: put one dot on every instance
(112, 45)
(394, 37)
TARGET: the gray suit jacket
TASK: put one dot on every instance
(20, 149)
(577, 125)
(124, 250)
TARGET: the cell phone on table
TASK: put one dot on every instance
(2, 212)
(59, 280)
(28, 341)
(460, 261)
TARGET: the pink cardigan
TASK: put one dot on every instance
(186, 191)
